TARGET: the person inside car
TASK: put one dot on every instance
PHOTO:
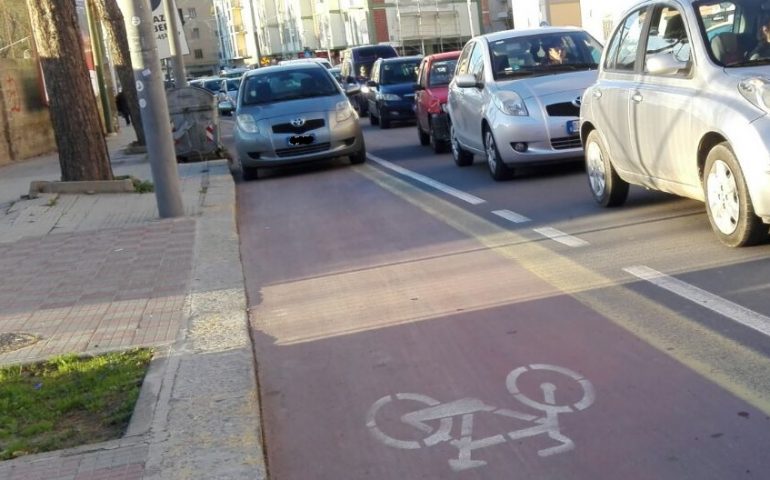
(762, 50)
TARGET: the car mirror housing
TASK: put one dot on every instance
(467, 80)
(664, 64)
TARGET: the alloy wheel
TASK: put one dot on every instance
(723, 199)
(596, 169)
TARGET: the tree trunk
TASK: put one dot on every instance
(83, 153)
(109, 11)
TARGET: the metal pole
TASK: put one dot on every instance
(152, 104)
(419, 27)
(470, 17)
(174, 44)
(99, 63)
(256, 32)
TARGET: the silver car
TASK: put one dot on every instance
(294, 114)
(515, 97)
(681, 105)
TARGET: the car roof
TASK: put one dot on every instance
(401, 59)
(444, 56)
(525, 32)
(286, 67)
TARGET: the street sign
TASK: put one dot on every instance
(162, 30)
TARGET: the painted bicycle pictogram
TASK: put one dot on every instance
(435, 421)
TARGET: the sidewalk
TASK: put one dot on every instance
(94, 273)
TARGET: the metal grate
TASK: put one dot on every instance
(564, 143)
(304, 150)
(308, 126)
(565, 109)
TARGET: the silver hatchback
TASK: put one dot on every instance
(515, 97)
(681, 105)
(294, 114)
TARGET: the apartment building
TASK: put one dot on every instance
(203, 37)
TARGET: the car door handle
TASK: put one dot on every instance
(637, 98)
(597, 94)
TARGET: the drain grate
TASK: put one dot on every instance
(16, 341)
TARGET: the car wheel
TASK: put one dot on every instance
(359, 157)
(424, 137)
(438, 146)
(497, 167)
(728, 205)
(607, 188)
(384, 123)
(373, 120)
(249, 173)
(461, 157)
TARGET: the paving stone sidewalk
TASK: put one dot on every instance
(95, 273)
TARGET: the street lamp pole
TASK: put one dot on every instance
(256, 32)
(470, 17)
(175, 46)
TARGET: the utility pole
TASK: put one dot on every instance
(470, 17)
(174, 45)
(152, 103)
(256, 31)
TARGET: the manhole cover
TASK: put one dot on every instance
(16, 341)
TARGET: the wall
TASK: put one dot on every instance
(565, 13)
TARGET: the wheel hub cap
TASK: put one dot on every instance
(491, 154)
(723, 200)
(596, 171)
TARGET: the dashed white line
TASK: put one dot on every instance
(511, 216)
(733, 311)
(561, 237)
(466, 197)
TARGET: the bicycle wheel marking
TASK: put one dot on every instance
(435, 420)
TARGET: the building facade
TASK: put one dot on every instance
(203, 37)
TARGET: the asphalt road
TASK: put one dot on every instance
(412, 319)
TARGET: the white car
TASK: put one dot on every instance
(323, 61)
(681, 105)
(515, 97)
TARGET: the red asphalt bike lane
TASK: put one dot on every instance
(529, 387)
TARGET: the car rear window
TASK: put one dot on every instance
(288, 85)
(441, 72)
(399, 72)
(374, 52)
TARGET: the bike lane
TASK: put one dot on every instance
(379, 331)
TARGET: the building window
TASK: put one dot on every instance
(191, 13)
(196, 33)
(198, 53)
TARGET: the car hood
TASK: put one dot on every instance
(398, 88)
(542, 85)
(293, 107)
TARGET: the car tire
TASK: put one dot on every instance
(373, 120)
(438, 146)
(249, 173)
(384, 123)
(461, 157)
(728, 204)
(359, 157)
(424, 137)
(497, 168)
(607, 188)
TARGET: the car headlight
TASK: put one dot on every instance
(388, 97)
(247, 123)
(510, 103)
(757, 91)
(344, 111)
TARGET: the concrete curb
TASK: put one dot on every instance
(95, 186)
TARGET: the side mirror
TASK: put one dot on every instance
(418, 87)
(371, 83)
(664, 64)
(467, 80)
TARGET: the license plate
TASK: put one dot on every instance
(573, 127)
(298, 140)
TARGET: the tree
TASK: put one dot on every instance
(110, 13)
(83, 153)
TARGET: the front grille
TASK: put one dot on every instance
(565, 109)
(564, 143)
(293, 151)
(308, 126)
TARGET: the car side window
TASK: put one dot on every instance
(477, 63)
(668, 41)
(623, 48)
(463, 62)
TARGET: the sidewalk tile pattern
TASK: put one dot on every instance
(95, 291)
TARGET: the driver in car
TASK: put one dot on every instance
(762, 50)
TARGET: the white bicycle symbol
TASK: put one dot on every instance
(548, 424)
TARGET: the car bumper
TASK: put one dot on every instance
(397, 111)
(255, 150)
(546, 139)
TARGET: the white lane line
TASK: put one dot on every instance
(561, 237)
(511, 216)
(733, 311)
(466, 197)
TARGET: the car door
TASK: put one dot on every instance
(456, 97)
(612, 93)
(474, 100)
(422, 95)
(661, 103)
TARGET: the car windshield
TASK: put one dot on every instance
(441, 72)
(399, 72)
(364, 69)
(282, 85)
(212, 85)
(543, 54)
(233, 85)
(737, 32)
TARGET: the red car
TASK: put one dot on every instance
(430, 99)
